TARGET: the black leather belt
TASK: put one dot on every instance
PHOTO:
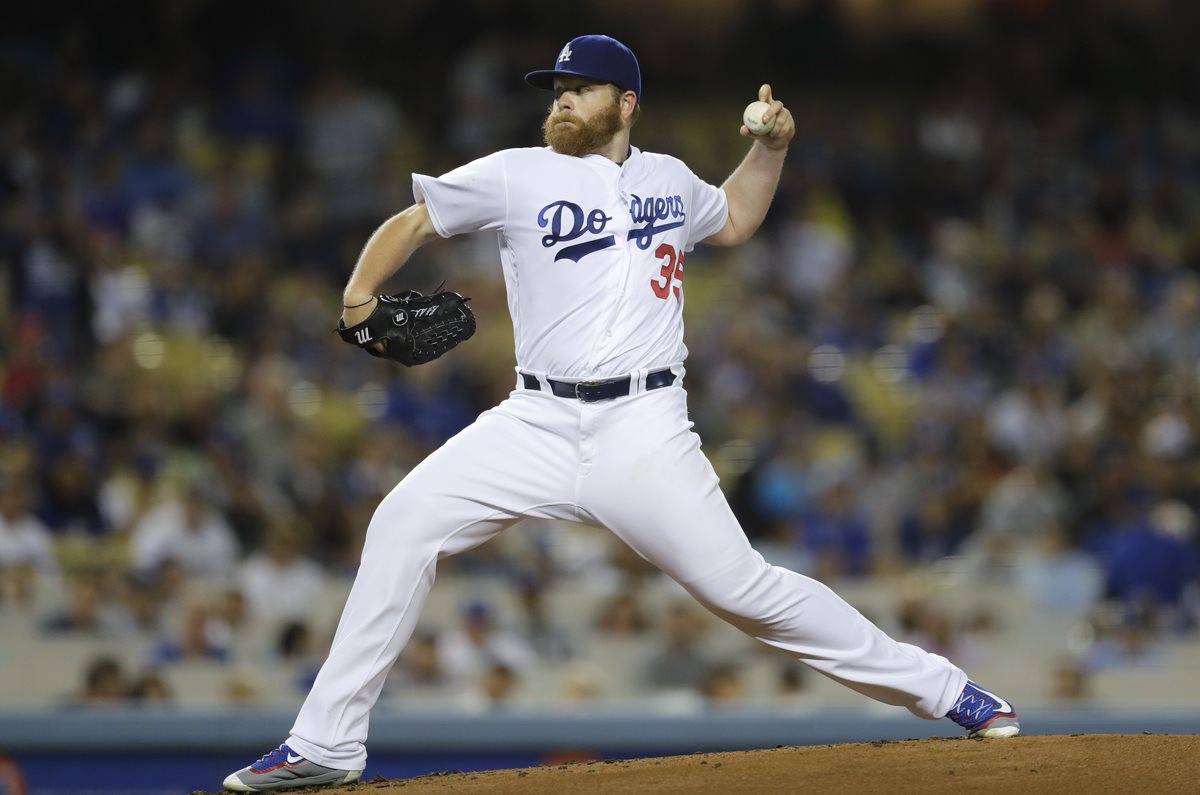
(593, 391)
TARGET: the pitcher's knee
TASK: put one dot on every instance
(750, 595)
(406, 522)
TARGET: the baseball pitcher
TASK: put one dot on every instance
(593, 234)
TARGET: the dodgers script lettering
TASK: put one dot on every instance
(566, 221)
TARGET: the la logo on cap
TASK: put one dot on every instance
(565, 55)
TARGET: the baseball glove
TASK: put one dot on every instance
(413, 328)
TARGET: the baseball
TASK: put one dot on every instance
(752, 117)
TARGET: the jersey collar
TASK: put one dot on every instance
(634, 152)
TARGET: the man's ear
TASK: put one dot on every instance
(628, 102)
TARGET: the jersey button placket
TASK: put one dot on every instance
(623, 206)
(606, 284)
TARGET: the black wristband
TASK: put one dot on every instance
(364, 303)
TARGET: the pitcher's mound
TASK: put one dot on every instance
(1096, 763)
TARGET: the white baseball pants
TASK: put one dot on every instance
(634, 466)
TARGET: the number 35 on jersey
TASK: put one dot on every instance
(671, 271)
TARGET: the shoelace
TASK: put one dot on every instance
(272, 756)
(972, 709)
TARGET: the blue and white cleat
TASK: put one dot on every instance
(984, 714)
(283, 768)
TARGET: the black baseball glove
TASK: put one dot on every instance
(413, 328)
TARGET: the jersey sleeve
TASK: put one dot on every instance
(710, 211)
(471, 198)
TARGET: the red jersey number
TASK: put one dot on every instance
(672, 270)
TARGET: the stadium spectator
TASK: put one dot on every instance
(26, 546)
(932, 530)
(141, 603)
(791, 688)
(498, 685)
(1070, 683)
(229, 227)
(1027, 420)
(104, 684)
(87, 610)
(420, 664)
(1155, 559)
(679, 663)
(548, 640)
(933, 628)
(1057, 577)
(128, 492)
(230, 609)
(724, 686)
(198, 637)
(1172, 336)
(186, 529)
(295, 641)
(1022, 508)
(150, 690)
(581, 685)
(278, 581)
(348, 131)
(69, 502)
(477, 643)
(1128, 636)
(835, 534)
(621, 616)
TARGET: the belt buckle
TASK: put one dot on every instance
(580, 397)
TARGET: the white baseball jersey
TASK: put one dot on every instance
(592, 251)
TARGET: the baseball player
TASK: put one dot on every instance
(593, 235)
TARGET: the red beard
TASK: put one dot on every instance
(580, 137)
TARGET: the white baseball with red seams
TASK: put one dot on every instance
(593, 259)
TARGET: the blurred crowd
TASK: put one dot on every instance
(970, 330)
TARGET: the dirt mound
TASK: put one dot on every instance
(1095, 763)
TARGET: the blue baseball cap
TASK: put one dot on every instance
(600, 58)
